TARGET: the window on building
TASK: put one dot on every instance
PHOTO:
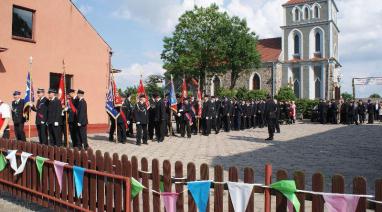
(317, 88)
(296, 15)
(296, 88)
(22, 23)
(306, 13)
(318, 42)
(54, 80)
(256, 82)
(316, 12)
(216, 85)
(296, 44)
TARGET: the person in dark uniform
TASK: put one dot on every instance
(195, 109)
(361, 112)
(237, 115)
(18, 116)
(323, 111)
(141, 120)
(218, 115)
(71, 111)
(213, 114)
(121, 125)
(333, 108)
(184, 113)
(82, 120)
(128, 110)
(225, 114)
(370, 112)
(260, 113)
(232, 113)
(270, 117)
(160, 117)
(248, 114)
(41, 109)
(206, 114)
(177, 119)
(54, 119)
(278, 112)
(151, 116)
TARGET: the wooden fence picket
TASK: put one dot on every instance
(179, 187)
(191, 176)
(249, 177)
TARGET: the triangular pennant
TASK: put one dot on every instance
(3, 162)
(169, 201)
(11, 156)
(136, 187)
(24, 158)
(288, 189)
(200, 191)
(40, 163)
(59, 170)
(341, 203)
(78, 175)
(240, 194)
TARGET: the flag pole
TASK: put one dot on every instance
(116, 118)
(66, 112)
(199, 105)
(30, 98)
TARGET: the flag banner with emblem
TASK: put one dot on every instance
(141, 90)
(61, 90)
(110, 107)
(29, 96)
(173, 102)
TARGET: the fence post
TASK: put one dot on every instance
(135, 174)
(118, 184)
(299, 178)
(93, 182)
(218, 189)
(281, 201)
(359, 187)
(204, 175)
(378, 194)
(191, 176)
(100, 182)
(145, 182)
(127, 195)
(232, 177)
(317, 185)
(249, 177)
(155, 184)
(267, 192)
(109, 183)
(179, 187)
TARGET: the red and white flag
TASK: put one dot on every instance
(61, 91)
(141, 90)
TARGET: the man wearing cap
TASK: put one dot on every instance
(206, 116)
(160, 117)
(184, 113)
(41, 109)
(82, 120)
(270, 117)
(141, 120)
(128, 110)
(54, 119)
(5, 116)
(18, 117)
(370, 112)
(71, 110)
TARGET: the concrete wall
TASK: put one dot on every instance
(60, 32)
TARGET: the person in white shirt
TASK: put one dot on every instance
(5, 116)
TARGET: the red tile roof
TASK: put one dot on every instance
(269, 49)
(295, 2)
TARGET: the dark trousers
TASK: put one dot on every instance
(226, 123)
(277, 125)
(260, 120)
(6, 134)
(83, 136)
(237, 122)
(218, 124)
(371, 118)
(214, 125)
(206, 125)
(141, 133)
(73, 134)
(232, 122)
(242, 124)
(130, 130)
(362, 118)
(42, 134)
(19, 132)
(185, 128)
(248, 122)
(55, 135)
(160, 130)
(194, 127)
(323, 118)
(151, 127)
(271, 127)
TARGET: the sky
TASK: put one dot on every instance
(135, 30)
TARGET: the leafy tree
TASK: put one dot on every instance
(258, 94)
(286, 94)
(153, 84)
(346, 96)
(226, 92)
(242, 93)
(375, 96)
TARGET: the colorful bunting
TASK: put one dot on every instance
(288, 189)
(12, 159)
(3, 162)
(200, 191)
(240, 194)
(169, 201)
(136, 187)
(24, 158)
(40, 163)
(161, 186)
(59, 169)
(78, 175)
(341, 203)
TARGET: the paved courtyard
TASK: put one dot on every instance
(330, 149)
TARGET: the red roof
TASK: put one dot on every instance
(269, 49)
(295, 2)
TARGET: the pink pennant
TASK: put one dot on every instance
(341, 203)
(59, 169)
(169, 200)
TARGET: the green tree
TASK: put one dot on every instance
(286, 94)
(346, 96)
(258, 94)
(153, 84)
(375, 96)
(242, 93)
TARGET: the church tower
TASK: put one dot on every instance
(310, 49)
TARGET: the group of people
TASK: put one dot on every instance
(349, 112)
(192, 116)
(55, 119)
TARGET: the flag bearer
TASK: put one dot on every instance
(82, 120)
(41, 109)
(72, 117)
(54, 120)
(17, 116)
(185, 115)
(141, 120)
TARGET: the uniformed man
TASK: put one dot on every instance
(323, 111)
(5, 116)
(195, 108)
(370, 112)
(225, 114)
(260, 113)
(41, 109)
(141, 120)
(82, 120)
(128, 110)
(185, 115)
(151, 116)
(18, 116)
(237, 114)
(213, 114)
(206, 116)
(218, 115)
(71, 111)
(160, 117)
(248, 114)
(361, 112)
(243, 115)
(54, 119)
(270, 116)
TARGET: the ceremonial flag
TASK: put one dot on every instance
(341, 203)
(173, 102)
(288, 189)
(78, 175)
(240, 194)
(61, 90)
(40, 163)
(184, 90)
(141, 90)
(169, 200)
(200, 191)
(110, 107)
(29, 96)
(59, 169)
(199, 97)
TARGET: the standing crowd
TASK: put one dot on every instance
(55, 118)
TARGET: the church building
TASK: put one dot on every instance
(305, 58)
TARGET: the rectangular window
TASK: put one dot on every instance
(22, 23)
(54, 80)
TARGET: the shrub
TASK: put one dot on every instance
(346, 96)
(286, 94)
(305, 107)
(257, 94)
(226, 92)
(242, 93)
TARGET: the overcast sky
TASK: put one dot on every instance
(135, 30)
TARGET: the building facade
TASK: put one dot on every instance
(50, 32)
(305, 58)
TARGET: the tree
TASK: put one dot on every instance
(152, 84)
(375, 96)
(286, 94)
(346, 96)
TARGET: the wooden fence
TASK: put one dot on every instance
(105, 193)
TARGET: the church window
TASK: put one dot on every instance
(306, 13)
(256, 82)
(316, 12)
(296, 44)
(296, 14)
(318, 42)
(317, 88)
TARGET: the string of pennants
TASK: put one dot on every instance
(240, 193)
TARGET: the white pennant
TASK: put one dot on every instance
(11, 156)
(24, 158)
(240, 194)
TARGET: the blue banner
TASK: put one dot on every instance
(29, 96)
(110, 108)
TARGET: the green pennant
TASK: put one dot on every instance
(3, 162)
(40, 163)
(136, 187)
(288, 189)
(161, 186)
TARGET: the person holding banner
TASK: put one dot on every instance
(18, 116)
(5, 116)
(54, 120)
(184, 113)
(82, 120)
(41, 109)
(141, 120)
(71, 109)
(128, 110)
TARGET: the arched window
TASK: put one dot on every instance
(296, 88)
(317, 88)
(316, 12)
(318, 42)
(256, 82)
(306, 13)
(296, 15)
(216, 84)
(296, 44)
